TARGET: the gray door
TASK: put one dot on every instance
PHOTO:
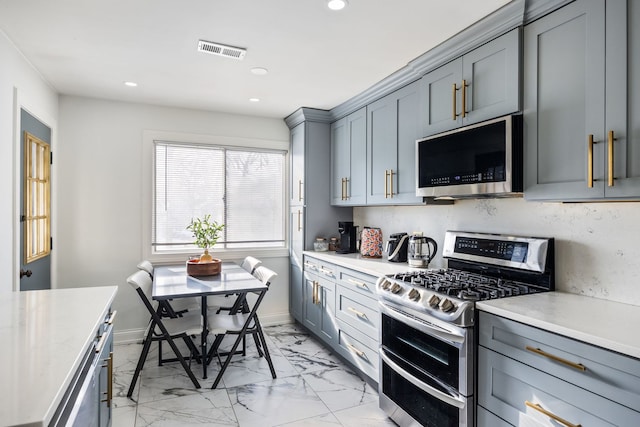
(34, 274)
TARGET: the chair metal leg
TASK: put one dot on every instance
(264, 346)
(143, 357)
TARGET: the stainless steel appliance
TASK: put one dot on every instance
(480, 160)
(348, 235)
(397, 247)
(427, 351)
(422, 250)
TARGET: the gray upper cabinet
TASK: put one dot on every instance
(296, 183)
(392, 130)
(480, 85)
(582, 126)
(348, 159)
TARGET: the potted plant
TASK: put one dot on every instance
(206, 233)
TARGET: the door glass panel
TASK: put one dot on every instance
(37, 197)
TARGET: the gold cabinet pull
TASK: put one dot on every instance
(346, 189)
(342, 189)
(590, 143)
(463, 88)
(359, 284)
(551, 415)
(313, 293)
(309, 266)
(453, 91)
(386, 179)
(355, 350)
(391, 183)
(111, 318)
(611, 138)
(578, 366)
(299, 222)
(110, 380)
(299, 190)
(357, 313)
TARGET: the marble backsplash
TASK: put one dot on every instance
(597, 244)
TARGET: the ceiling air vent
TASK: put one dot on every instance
(221, 50)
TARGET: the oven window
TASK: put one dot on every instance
(438, 358)
(423, 407)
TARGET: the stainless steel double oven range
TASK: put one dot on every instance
(428, 340)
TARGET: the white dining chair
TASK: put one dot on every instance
(250, 263)
(222, 324)
(166, 329)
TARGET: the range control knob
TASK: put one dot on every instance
(414, 295)
(433, 301)
(386, 285)
(446, 305)
(396, 288)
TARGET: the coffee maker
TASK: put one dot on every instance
(348, 233)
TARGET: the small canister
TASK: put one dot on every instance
(320, 245)
(371, 243)
(334, 243)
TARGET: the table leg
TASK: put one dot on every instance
(205, 332)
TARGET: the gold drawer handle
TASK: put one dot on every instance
(360, 353)
(111, 318)
(578, 366)
(326, 271)
(551, 415)
(357, 313)
(610, 138)
(361, 285)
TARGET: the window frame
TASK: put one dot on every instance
(148, 193)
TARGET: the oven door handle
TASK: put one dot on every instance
(434, 330)
(444, 397)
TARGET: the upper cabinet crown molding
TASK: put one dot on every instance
(538, 8)
(309, 115)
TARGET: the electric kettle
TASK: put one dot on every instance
(422, 250)
(396, 247)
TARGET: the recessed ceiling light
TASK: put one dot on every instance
(259, 71)
(254, 99)
(337, 4)
(131, 84)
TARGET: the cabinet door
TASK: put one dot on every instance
(562, 108)
(296, 183)
(392, 124)
(492, 76)
(623, 98)
(440, 101)
(296, 247)
(311, 309)
(327, 305)
(348, 160)
(296, 292)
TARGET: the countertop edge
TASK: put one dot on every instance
(372, 266)
(573, 320)
(63, 388)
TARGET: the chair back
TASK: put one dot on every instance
(146, 266)
(264, 274)
(250, 263)
(141, 282)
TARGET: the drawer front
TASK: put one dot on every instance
(358, 311)
(328, 271)
(359, 282)
(505, 385)
(487, 419)
(359, 349)
(606, 373)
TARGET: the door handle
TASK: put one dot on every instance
(24, 272)
(464, 98)
(610, 138)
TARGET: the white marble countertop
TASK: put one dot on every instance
(43, 337)
(603, 323)
(373, 266)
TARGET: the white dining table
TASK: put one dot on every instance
(171, 282)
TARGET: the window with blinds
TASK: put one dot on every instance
(242, 188)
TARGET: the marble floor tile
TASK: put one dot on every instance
(276, 402)
(340, 388)
(313, 388)
(367, 415)
(210, 408)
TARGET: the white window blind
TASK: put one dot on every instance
(240, 187)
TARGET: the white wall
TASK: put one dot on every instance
(99, 207)
(597, 244)
(20, 87)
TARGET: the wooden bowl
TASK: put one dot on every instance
(209, 268)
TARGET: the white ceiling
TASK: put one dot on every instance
(316, 57)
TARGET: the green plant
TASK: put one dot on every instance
(205, 231)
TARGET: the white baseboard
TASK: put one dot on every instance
(135, 335)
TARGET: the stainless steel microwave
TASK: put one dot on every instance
(479, 160)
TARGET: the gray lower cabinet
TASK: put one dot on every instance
(582, 125)
(348, 160)
(350, 323)
(392, 130)
(480, 85)
(528, 376)
(319, 299)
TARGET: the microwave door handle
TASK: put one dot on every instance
(444, 397)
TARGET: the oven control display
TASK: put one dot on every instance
(498, 249)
